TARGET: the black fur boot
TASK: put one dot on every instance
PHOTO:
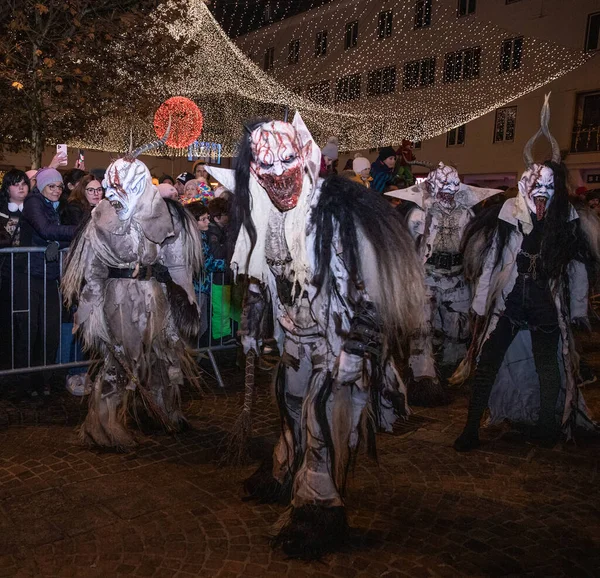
(427, 392)
(313, 531)
(264, 488)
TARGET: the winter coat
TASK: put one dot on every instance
(75, 213)
(41, 226)
(382, 176)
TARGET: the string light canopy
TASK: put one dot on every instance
(186, 121)
(430, 92)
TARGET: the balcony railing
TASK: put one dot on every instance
(585, 139)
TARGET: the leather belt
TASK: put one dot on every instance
(144, 273)
(445, 260)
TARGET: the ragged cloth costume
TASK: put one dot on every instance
(443, 208)
(528, 267)
(130, 273)
(341, 274)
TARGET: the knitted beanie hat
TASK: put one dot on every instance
(46, 177)
(360, 163)
(386, 152)
(330, 150)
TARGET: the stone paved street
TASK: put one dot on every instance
(168, 510)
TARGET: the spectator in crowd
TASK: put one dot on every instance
(98, 173)
(181, 181)
(200, 173)
(592, 198)
(222, 313)
(14, 190)
(41, 227)
(168, 191)
(329, 153)
(348, 165)
(203, 286)
(166, 179)
(31, 176)
(196, 190)
(382, 169)
(70, 180)
(362, 169)
(83, 198)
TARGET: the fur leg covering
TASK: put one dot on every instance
(264, 488)
(427, 392)
(105, 424)
(310, 531)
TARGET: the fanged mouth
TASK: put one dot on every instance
(540, 206)
(116, 205)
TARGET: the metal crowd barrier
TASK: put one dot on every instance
(20, 299)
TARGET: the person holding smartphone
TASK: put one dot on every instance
(41, 227)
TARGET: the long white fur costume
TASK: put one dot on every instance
(312, 332)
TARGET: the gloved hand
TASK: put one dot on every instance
(582, 324)
(250, 343)
(350, 367)
(52, 251)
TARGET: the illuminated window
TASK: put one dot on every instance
(512, 53)
(419, 73)
(422, 13)
(384, 28)
(462, 65)
(466, 7)
(456, 136)
(321, 43)
(269, 58)
(504, 130)
(351, 38)
(592, 34)
(381, 81)
(293, 51)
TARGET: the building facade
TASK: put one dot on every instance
(372, 38)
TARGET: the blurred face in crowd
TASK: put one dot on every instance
(179, 186)
(18, 192)
(94, 192)
(203, 222)
(327, 161)
(594, 205)
(168, 182)
(201, 173)
(221, 220)
(365, 173)
(53, 191)
(189, 190)
(390, 162)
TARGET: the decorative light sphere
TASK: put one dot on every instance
(186, 121)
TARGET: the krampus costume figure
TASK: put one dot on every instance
(443, 210)
(528, 265)
(130, 272)
(344, 282)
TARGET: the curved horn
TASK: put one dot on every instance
(528, 150)
(153, 145)
(130, 140)
(545, 121)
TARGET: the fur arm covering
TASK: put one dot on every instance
(378, 253)
(182, 253)
(477, 241)
(590, 227)
(83, 265)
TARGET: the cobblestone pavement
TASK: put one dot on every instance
(168, 510)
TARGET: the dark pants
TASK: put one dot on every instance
(37, 330)
(529, 306)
